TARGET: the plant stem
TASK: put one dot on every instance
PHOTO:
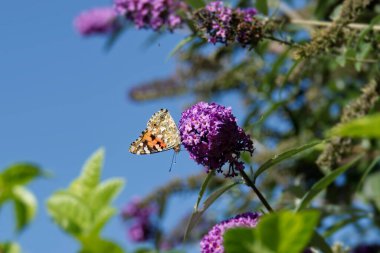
(279, 40)
(258, 193)
(305, 22)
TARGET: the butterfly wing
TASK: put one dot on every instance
(161, 134)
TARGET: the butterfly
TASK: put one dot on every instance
(161, 134)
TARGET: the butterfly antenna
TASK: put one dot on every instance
(174, 160)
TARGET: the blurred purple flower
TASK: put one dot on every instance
(373, 248)
(141, 231)
(96, 21)
(141, 228)
(210, 133)
(152, 14)
(212, 242)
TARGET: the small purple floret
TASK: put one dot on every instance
(212, 242)
(211, 135)
(96, 21)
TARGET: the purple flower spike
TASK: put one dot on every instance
(223, 24)
(96, 21)
(212, 242)
(210, 133)
(151, 14)
(141, 227)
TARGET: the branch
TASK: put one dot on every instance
(357, 26)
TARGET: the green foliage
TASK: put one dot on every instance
(12, 182)
(323, 183)
(283, 156)
(281, 232)
(84, 208)
(197, 214)
(10, 247)
(366, 127)
(196, 4)
(372, 189)
(262, 6)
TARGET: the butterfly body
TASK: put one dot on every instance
(161, 134)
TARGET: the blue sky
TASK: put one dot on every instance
(62, 97)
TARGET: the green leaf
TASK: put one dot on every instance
(196, 215)
(262, 6)
(101, 219)
(362, 127)
(364, 32)
(90, 176)
(180, 45)
(365, 49)
(196, 4)
(10, 247)
(278, 158)
(98, 245)
(317, 241)
(323, 183)
(25, 205)
(69, 212)
(281, 232)
(203, 189)
(372, 188)
(366, 172)
(105, 193)
(20, 173)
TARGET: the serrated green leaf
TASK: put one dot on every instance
(101, 219)
(90, 175)
(105, 193)
(363, 127)
(285, 155)
(196, 215)
(20, 173)
(69, 212)
(262, 6)
(323, 183)
(281, 232)
(25, 206)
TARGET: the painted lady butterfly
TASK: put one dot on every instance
(161, 134)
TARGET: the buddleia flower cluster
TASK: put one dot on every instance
(211, 135)
(152, 14)
(212, 242)
(100, 20)
(225, 25)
